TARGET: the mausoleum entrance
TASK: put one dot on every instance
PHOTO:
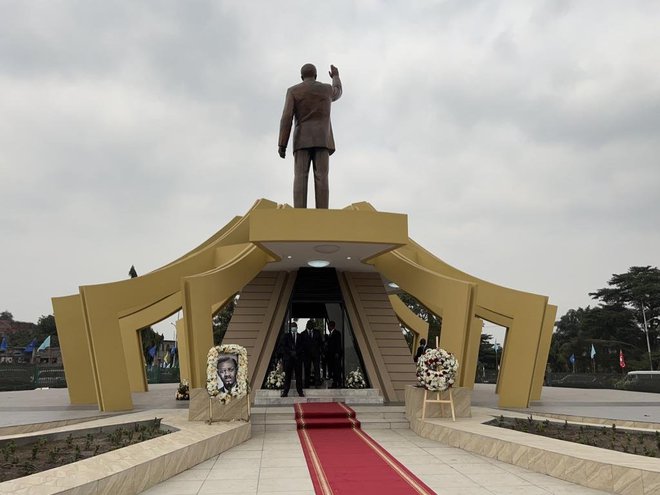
(316, 303)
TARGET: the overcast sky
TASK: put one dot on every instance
(521, 138)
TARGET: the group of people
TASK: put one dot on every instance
(303, 351)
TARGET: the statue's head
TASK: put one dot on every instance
(307, 71)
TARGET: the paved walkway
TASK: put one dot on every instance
(273, 461)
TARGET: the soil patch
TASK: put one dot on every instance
(24, 456)
(645, 443)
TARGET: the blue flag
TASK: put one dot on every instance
(593, 351)
(30, 347)
(572, 359)
(3, 346)
(152, 351)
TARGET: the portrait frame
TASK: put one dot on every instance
(213, 386)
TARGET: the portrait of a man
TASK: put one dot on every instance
(227, 371)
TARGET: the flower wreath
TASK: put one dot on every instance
(436, 369)
(241, 387)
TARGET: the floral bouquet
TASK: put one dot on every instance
(355, 379)
(436, 369)
(183, 392)
(275, 380)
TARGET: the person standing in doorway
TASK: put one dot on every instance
(334, 353)
(312, 344)
(292, 354)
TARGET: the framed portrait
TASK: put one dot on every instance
(226, 372)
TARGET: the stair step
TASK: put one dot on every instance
(282, 417)
(264, 397)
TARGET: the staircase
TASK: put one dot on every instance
(349, 396)
(282, 417)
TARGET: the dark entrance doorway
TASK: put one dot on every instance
(317, 297)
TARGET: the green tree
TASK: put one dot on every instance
(609, 328)
(47, 328)
(638, 290)
(434, 321)
(149, 339)
(221, 320)
(487, 351)
(7, 316)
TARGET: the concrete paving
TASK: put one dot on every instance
(273, 462)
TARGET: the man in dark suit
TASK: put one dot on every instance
(420, 350)
(312, 344)
(334, 354)
(292, 354)
(309, 102)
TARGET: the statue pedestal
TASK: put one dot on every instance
(237, 409)
(415, 402)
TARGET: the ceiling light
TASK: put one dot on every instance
(318, 263)
(289, 257)
(348, 257)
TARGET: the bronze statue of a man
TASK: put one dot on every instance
(309, 102)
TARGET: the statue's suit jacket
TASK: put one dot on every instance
(309, 102)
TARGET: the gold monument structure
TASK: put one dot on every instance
(258, 256)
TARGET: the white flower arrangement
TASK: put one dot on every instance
(241, 387)
(183, 392)
(436, 369)
(355, 379)
(275, 378)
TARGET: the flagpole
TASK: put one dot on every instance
(646, 330)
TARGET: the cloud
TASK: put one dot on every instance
(519, 137)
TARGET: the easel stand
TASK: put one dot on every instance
(439, 400)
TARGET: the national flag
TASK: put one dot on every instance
(30, 347)
(572, 359)
(593, 351)
(3, 346)
(44, 345)
(152, 351)
(622, 361)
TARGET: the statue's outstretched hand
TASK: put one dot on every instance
(333, 71)
(281, 150)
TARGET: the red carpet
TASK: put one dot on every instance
(344, 460)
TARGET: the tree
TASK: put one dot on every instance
(487, 351)
(434, 321)
(150, 338)
(638, 290)
(7, 316)
(221, 320)
(608, 328)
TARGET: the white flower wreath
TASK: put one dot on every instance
(355, 379)
(275, 378)
(241, 387)
(436, 369)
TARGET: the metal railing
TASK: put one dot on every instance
(30, 376)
